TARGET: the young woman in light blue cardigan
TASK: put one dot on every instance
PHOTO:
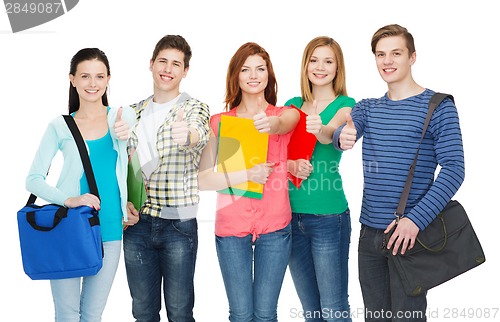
(105, 131)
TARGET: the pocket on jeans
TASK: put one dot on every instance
(362, 232)
(287, 230)
(185, 227)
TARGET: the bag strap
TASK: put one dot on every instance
(87, 166)
(434, 102)
(82, 149)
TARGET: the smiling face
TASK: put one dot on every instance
(253, 76)
(322, 66)
(168, 70)
(90, 80)
(394, 60)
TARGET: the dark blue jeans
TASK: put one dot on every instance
(318, 265)
(161, 251)
(253, 273)
(383, 294)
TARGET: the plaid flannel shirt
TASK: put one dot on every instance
(174, 183)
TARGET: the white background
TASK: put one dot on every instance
(457, 52)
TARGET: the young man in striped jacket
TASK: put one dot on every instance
(391, 127)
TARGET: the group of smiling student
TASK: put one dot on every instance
(305, 229)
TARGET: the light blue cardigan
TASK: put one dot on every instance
(58, 137)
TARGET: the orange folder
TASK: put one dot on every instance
(241, 146)
(301, 145)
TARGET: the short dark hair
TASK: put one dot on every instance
(393, 30)
(174, 42)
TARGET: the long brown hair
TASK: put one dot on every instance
(233, 90)
(339, 82)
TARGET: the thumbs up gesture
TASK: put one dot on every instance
(260, 120)
(313, 120)
(121, 127)
(180, 130)
(347, 137)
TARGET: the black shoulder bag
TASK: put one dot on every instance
(446, 248)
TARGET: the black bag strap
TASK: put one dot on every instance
(434, 102)
(61, 213)
(82, 149)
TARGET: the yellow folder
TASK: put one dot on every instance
(241, 147)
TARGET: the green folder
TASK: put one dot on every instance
(135, 182)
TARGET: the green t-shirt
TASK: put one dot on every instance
(322, 193)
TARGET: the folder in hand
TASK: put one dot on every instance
(135, 182)
(241, 146)
(301, 145)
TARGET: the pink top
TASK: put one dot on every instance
(240, 216)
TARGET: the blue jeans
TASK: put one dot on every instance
(383, 294)
(253, 288)
(161, 252)
(319, 265)
(82, 299)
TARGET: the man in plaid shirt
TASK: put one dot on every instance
(172, 129)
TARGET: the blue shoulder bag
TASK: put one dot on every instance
(59, 242)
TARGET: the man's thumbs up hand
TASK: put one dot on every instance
(347, 137)
(180, 130)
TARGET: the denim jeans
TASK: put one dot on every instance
(319, 265)
(383, 294)
(82, 299)
(161, 252)
(253, 288)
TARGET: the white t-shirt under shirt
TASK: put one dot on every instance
(152, 118)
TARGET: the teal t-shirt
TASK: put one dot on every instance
(103, 159)
(322, 193)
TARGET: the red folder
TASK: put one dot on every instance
(301, 145)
